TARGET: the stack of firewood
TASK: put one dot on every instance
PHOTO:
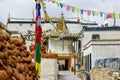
(15, 60)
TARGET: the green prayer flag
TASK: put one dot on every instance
(38, 53)
(53, 1)
(73, 9)
(93, 13)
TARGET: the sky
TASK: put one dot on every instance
(24, 8)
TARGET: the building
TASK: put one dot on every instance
(60, 41)
(65, 36)
(25, 28)
(101, 47)
(63, 40)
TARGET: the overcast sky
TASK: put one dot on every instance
(23, 8)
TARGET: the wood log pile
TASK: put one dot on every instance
(104, 74)
(15, 60)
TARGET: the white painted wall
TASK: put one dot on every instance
(103, 35)
(60, 47)
(103, 51)
(74, 28)
(27, 26)
(22, 29)
(88, 50)
(108, 51)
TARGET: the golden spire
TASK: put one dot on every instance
(61, 26)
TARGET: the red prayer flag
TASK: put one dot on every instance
(68, 7)
(49, 0)
(109, 15)
(88, 12)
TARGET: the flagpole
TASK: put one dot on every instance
(38, 36)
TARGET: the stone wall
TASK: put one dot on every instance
(104, 74)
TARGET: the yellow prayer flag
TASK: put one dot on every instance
(43, 5)
(58, 4)
(77, 9)
(117, 15)
(96, 13)
(38, 1)
(38, 68)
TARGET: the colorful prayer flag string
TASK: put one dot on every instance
(83, 11)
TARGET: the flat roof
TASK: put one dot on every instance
(16, 22)
(72, 22)
(111, 28)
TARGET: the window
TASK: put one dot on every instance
(95, 36)
(88, 62)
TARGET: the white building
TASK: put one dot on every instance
(25, 28)
(101, 47)
(64, 47)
